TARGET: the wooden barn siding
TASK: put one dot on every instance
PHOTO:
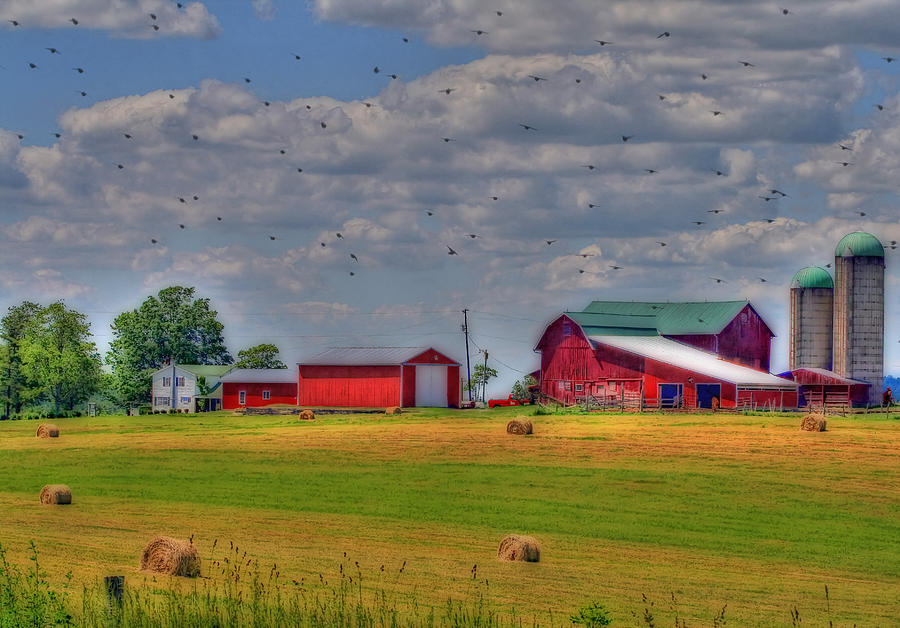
(281, 393)
(746, 340)
(429, 358)
(349, 386)
(454, 386)
(819, 382)
(409, 386)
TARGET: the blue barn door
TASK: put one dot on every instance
(670, 395)
(705, 394)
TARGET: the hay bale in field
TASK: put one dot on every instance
(47, 430)
(813, 423)
(517, 547)
(307, 415)
(519, 427)
(393, 410)
(171, 556)
(56, 494)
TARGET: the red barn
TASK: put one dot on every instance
(255, 388)
(633, 363)
(820, 388)
(378, 377)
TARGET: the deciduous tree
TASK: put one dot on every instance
(262, 356)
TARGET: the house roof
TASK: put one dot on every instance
(366, 356)
(262, 376)
(209, 371)
(652, 317)
(693, 359)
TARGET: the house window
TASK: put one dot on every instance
(167, 381)
(267, 394)
(579, 387)
(185, 400)
(161, 401)
(242, 397)
(179, 381)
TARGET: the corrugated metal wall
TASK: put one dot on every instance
(349, 386)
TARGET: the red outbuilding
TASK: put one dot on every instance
(378, 377)
(625, 359)
(823, 389)
(255, 388)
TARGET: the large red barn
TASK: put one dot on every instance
(626, 357)
(377, 377)
(255, 388)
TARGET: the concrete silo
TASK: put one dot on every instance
(859, 310)
(812, 307)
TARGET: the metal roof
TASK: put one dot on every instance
(859, 244)
(812, 277)
(693, 359)
(262, 376)
(707, 317)
(365, 356)
(797, 375)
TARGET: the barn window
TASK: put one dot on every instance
(242, 397)
(568, 385)
(579, 387)
(561, 385)
(167, 381)
(267, 394)
(567, 328)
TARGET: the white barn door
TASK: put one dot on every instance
(431, 386)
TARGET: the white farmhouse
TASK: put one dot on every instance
(188, 387)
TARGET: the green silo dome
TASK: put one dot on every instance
(859, 244)
(812, 277)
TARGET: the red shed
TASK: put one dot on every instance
(255, 388)
(820, 388)
(638, 365)
(378, 377)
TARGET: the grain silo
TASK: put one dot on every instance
(859, 310)
(812, 306)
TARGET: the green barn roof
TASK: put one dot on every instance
(652, 318)
(859, 244)
(812, 277)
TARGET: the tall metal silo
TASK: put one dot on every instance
(812, 308)
(859, 310)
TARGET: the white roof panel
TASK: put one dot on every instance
(693, 359)
(262, 376)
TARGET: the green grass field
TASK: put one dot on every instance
(740, 510)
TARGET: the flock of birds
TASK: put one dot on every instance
(767, 196)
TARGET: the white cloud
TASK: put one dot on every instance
(125, 18)
(264, 9)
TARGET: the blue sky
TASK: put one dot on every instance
(77, 227)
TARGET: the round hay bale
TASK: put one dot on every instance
(307, 415)
(518, 547)
(171, 556)
(47, 430)
(393, 410)
(813, 423)
(56, 494)
(519, 427)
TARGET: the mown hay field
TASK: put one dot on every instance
(746, 511)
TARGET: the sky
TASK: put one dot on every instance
(154, 144)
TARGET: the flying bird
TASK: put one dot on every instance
(746, 64)
(153, 240)
(861, 213)
(450, 250)
(888, 59)
(13, 22)
(473, 235)
(79, 70)
(704, 76)
(32, 65)
(536, 78)
(593, 205)
(219, 218)
(155, 27)
(845, 147)
(196, 137)
(578, 80)
(53, 51)
(128, 136)
(352, 273)
(271, 237)
(495, 198)
(615, 267)
(448, 139)
(323, 125)
(477, 32)
(844, 163)
(879, 107)
(299, 169)
(603, 42)
(768, 198)
(296, 56)
(182, 226)
(784, 11)
(120, 166)
(664, 34)
(714, 211)
(698, 222)
(82, 92)
(662, 243)
(446, 90)
(429, 212)
(181, 199)
(719, 173)
(405, 40)
(195, 197)
(246, 80)
(650, 171)
(716, 113)
(717, 280)
(589, 166)
(779, 192)
(152, 16)
(762, 279)
(527, 127)
(339, 235)
(322, 244)
(770, 220)
(587, 255)
(549, 242)
(58, 135)
(625, 138)
(354, 258)
(661, 97)
(74, 21)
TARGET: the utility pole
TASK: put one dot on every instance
(465, 329)
(484, 379)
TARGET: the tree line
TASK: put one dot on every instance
(47, 356)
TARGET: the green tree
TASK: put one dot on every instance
(481, 375)
(59, 356)
(172, 325)
(16, 389)
(520, 389)
(263, 356)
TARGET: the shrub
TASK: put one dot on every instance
(592, 615)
